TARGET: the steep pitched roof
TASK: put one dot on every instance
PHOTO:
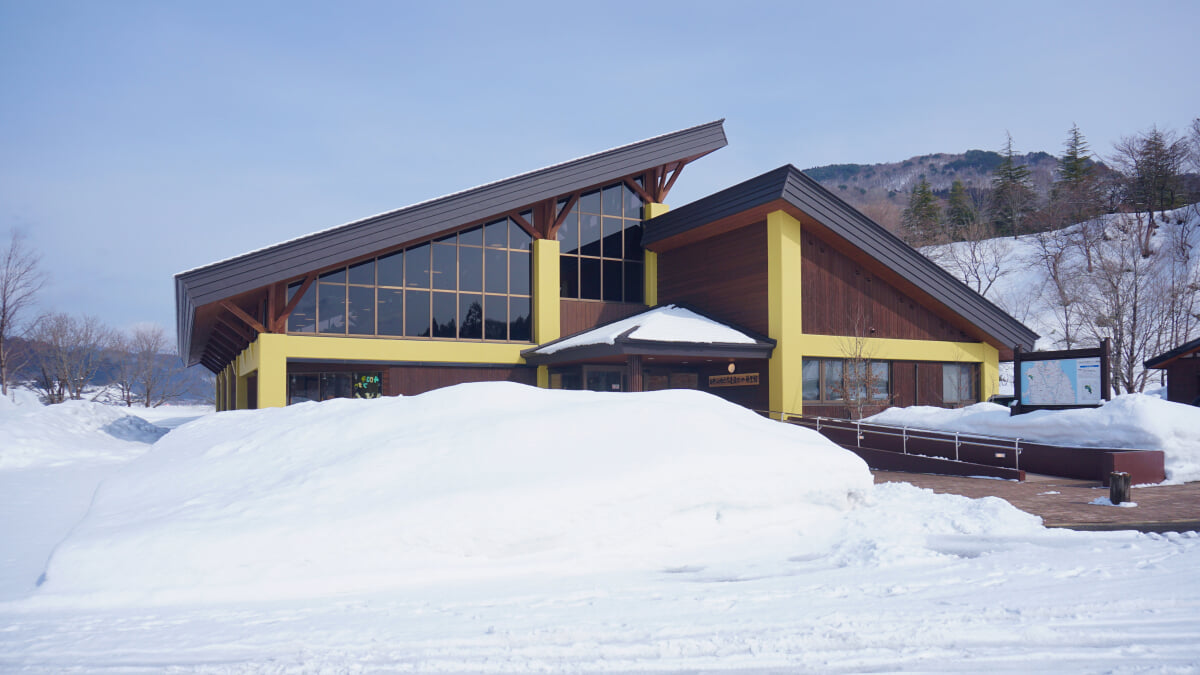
(787, 185)
(289, 259)
(1163, 360)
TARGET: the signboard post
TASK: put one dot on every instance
(1069, 378)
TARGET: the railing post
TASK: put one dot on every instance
(858, 432)
(956, 444)
(904, 447)
(1017, 453)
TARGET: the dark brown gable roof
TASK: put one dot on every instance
(289, 259)
(788, 185)
(1163, 360)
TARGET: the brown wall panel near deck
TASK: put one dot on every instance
(726, 275)
(413, 380)
(836, 289)
(929, 383)
(579, 315)
(904, 384)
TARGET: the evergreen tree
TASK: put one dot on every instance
(1075, 195)
(921, 219)
(960, 212)
(1012, 198)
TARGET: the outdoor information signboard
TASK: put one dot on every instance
(1072, 378)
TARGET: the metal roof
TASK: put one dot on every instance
(1165, 359)
(289, 259)
(792, 186)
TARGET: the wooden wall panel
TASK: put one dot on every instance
(725, 276)
(1183, 380)
(581, 315)
(752, 397)
(412, 380)
(839, 294)
(904, 383)
(929, 383)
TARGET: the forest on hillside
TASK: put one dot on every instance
(1110, 250)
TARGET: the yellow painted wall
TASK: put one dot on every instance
(547, 324)
(783, 311)
(267, 357)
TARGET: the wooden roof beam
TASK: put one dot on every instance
(241, 314)
(291, 306)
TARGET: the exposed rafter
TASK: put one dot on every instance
(241, 314)
(291, 306)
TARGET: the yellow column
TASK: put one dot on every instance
(650, 284)
(219, 391)
(272, 370)
(783, 312)
(989, 372)
(546, 323)
(241, 392)
(650, 287)
(543, 377)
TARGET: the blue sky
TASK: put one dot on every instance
(139, 139)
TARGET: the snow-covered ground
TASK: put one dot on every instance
(499, 528)
(1138, 421)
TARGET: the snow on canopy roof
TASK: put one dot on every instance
(667, 324)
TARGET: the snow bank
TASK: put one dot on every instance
(74, 431)
(1130, 421)
(475, 480)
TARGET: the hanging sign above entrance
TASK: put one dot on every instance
(734, 380)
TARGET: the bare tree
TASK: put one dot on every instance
(1152, 164)
(1062, 293)
(68, 351)
(1127, 302)
(864, 385)
(20, 280)
(979, 261)
(159, 372)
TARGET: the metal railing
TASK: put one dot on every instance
(907, 434)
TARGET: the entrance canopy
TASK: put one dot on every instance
(670, 330)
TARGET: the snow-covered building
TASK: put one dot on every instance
(772, 293)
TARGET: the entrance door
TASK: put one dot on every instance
(600, 378)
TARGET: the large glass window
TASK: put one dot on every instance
(600, 246)
(958, 383)
(841, 379)
(324, 386)
(470, 285)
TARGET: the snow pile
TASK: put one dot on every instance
(36, 435)
(473, 481)
(1133, 421)
(662, 324)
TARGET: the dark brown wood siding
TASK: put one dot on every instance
(838, 292)
(725, 276)
(581, 315)
(929, 383)
(904, 383)
(412, 380)
(1183, 380)
(752, 397)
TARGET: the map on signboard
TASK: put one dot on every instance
(1061, 382)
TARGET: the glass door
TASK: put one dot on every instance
(604, 378)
